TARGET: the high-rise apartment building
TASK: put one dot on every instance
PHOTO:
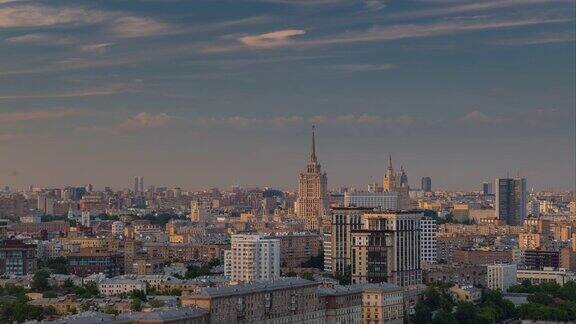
(426, 184)
(428, 240)
(312, 202)
(46, 204)
(198, 213)
(511, 200)
(136, 185)
(404, 226)
(371, 256)
(141, 185)
(343, 221)
(252, 258)
(487, 188)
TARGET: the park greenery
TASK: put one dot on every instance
(438, 306)
(548, 301)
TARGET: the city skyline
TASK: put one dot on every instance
(214, 93)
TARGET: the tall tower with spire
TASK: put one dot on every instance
(312, 202)
(397, 182)
(389, 181)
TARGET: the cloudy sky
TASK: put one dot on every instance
(197, 93)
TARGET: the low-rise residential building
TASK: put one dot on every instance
(547, 275)
(95, 260)
(501, 276)
(457, 273)
(116, 286)
(17, 258)
(342, 304)
(290, 300)
(484, 256)
(382, 303)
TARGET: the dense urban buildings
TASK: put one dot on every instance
(244, 255)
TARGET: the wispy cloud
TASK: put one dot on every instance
(118, 24)
(95, 48)
(41, 16)
(285, 38)
(20, 116)
(276, 122)
(479, 118)
(89, 92)
(547, 38)
(405, 31)
(272, 39)
(128, 27)
(41, 38)
(144, 120)
(462, 7)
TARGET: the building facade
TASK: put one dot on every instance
(501, 276)
(291, 300)
(252, 258)
(511, 200)
(428, 241)
(17, 258)
(312, 203)
(404, 227)
(367, 199)
(343, 222)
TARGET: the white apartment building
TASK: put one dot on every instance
(118, 228)
(252, 258)
(501, 276)
(428, 240)
(547, 275)
(367, 199)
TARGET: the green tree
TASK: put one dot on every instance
(422, 313)
(444, 317)
(466, 313)
(137, 294)
(136, 305)
(156, 303)
(40, 281)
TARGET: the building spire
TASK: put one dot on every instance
(390, 161)
(313, 151)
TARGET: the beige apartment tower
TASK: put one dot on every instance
(312, 202)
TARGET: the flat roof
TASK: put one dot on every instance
(256, 287)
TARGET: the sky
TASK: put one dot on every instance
(206, 93)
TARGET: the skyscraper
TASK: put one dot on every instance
(141, 185)
(136, 185)
(312, 202)
(487, 188)
(426, 184)
(397, 182)
(511, 200)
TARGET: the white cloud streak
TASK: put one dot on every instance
(17, 116)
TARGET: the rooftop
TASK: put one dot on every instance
(256, 287)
